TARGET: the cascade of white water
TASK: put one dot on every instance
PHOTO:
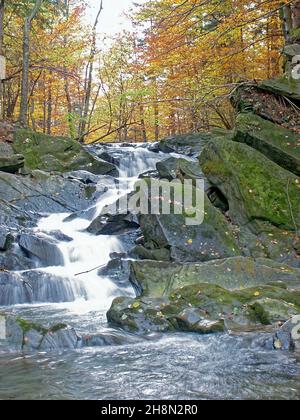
(86, 252)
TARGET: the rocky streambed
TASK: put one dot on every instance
(153, 306)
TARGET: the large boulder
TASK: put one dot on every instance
(57, 154)
(205, 308)
(275, 142)
(12, 163)
(259, 192)
(43, 248)
(288, 336)
(158, 278)
(283, 86)
(213, 239)
(113, 224)
(173, 168)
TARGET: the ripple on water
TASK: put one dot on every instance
(179, 366)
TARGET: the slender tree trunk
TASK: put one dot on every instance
(26, 61)
(49, 108)
(287, 23)
(296, 16)
(31, 111)
(143, 125)
(156, 123)
(2, 10)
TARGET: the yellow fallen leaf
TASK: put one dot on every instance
(256, 294)
(136, 305)
(277, 344)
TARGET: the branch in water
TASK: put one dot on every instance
(89, 271)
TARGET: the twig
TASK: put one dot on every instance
(89, 271)
(296, 108)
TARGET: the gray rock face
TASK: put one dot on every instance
(43, 248)
(212, 239)
(118, 271)
(173, 168)
(5, 238)
(12, 163)
(23, 199)
(288, 337)
(190, 144)
(117, 224)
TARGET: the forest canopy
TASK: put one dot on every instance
(172, 74)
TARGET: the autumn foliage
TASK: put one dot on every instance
(173, 74)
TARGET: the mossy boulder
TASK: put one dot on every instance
(205, 308)
(283, 86)
(277, 143)
(259, 192)
(58, 154)
(158, 279)
(24, 335)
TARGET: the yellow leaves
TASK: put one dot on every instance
(190, 242)
(257, 294)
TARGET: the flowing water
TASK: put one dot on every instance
(120, 365)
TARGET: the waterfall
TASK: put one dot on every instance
(83, 252)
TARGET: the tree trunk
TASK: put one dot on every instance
(2, 5)
(26, 62)
(287, 23)
(296, 17)
(143, 125)
(49, 109)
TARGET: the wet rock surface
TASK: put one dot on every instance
(23, 335)
(287, 337)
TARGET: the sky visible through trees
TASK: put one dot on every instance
(166, 67)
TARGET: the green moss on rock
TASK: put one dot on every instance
(257, 189)
(277, 143)
(205, 308)
(158, 279)
(59, 154)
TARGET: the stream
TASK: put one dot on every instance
(119, 365)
